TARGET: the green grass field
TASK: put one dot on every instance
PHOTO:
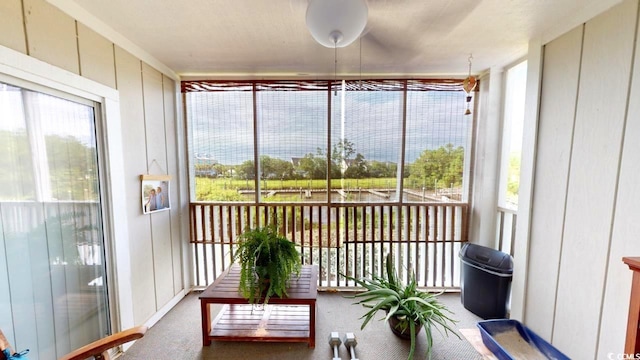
(234, 184)
(221, 189)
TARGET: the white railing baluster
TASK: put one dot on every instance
(341, 238)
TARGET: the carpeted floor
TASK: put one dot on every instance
(178, 336)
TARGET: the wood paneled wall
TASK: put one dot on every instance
(148, 112)
(578, 289)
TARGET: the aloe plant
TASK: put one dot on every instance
(413, 308)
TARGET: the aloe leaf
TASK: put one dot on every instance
(377, 294)
(393, 311)
(412, 332)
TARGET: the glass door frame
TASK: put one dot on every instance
(24, 71)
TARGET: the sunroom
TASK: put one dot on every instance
(246, 119)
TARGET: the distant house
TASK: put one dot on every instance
(295, 161)
(205, 159)
(211, 173)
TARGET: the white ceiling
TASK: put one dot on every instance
(269, 39)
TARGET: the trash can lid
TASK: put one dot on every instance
(487, 258)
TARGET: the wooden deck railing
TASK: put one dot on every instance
(343, 238)
(506, 229)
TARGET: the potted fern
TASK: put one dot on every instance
(408, 309)
(267, 261)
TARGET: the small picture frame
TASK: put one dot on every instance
(155, 193)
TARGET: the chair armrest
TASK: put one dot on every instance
(103, 345)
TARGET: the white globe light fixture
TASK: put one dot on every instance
(336, 23)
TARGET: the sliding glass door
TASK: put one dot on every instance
(53, 293)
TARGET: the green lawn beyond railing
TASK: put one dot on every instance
(238, 184)
(228, 189)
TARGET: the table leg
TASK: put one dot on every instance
(206, 322)
(312, 324)
(632, 345)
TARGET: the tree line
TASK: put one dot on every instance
(434, 167)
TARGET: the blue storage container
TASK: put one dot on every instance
(490, 330)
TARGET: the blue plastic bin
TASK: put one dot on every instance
(490, 328)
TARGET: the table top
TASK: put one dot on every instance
(633, 262)
(225, 289)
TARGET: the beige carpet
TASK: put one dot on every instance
(178, 336)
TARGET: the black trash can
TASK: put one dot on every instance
(485, 280)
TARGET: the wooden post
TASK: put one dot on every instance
(632, 344)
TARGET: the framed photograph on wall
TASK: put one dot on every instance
(155, 193)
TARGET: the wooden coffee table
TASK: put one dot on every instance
(290, 319)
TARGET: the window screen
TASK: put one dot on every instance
(222, 142)
(366, 128)
(292, 138)
(281, 141)
(438, 136)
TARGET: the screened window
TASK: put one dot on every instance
(302, 141)
(366, 128)
(516, 79)
(222, 142)
(292, 138)
(438, 138)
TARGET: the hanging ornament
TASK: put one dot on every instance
(469, 84)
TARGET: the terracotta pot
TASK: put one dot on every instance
(396, 328)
